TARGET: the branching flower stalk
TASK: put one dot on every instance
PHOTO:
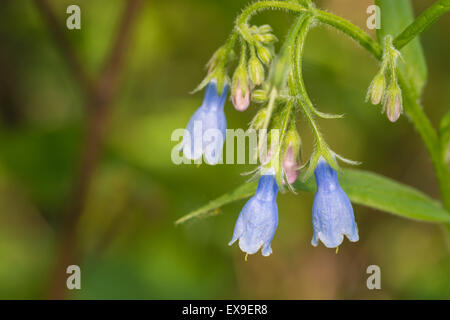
(303, 101)
(278, 75)
(242, 21)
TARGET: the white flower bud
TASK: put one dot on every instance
(259, 96)
(376, 89)
(256, 71)
(264, 54)
(265, 28)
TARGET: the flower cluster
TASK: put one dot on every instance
(332, 214)
(390, 96)
(274, 80)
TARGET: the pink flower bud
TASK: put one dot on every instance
(240, 101)
(394, 108)
(393, 103)
(290, 165)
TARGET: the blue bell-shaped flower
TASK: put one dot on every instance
(258, 220)
(205, 132)
(332, 215)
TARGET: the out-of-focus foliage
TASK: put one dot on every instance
(130, 246)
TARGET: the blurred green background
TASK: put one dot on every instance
(129, 247)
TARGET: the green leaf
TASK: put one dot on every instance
(362, 187)
(444, 135)
(242, 192)
(378, 192)
(396, 15)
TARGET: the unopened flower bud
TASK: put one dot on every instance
(376, 89)
(265, 28)
(290, 165)
(259, 96)
(264, 54)
(258, 37)
(268, 38)
(258, 121)
(256, 71)
(393, 104)
(240, 97)
(254, 29)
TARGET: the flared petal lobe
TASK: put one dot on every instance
(258, 220)
(332, 210)
(205, 132)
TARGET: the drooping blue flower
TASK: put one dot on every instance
(332, 216)
(258, 220)
(205, 132)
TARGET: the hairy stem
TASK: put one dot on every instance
(429, 137)
(270, 107)
(305, 104)
(230, 44)
(299, 85)
(351, 30)
(242, 19)
(422, 22)
(281, 68)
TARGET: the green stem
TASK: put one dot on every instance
(305, 104)
(272, 97)
(429, 137)
(299, 85)
(280, 69)
(390, 57)
(350, 29)
(422, 22)
(242, 20)
(243, 58)
(270, 107)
